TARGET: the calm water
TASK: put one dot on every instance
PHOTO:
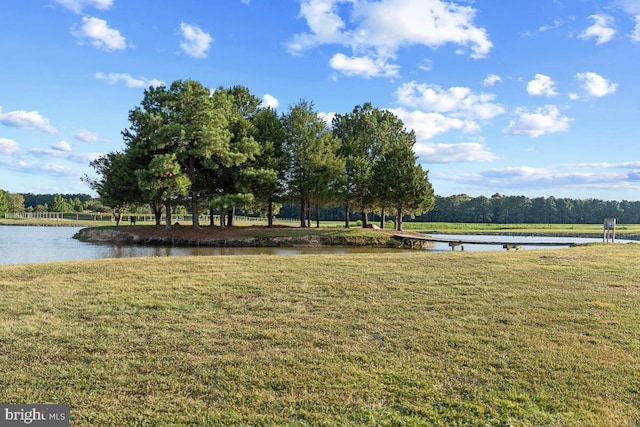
(526, 240)
(21, 244)
(24, 244)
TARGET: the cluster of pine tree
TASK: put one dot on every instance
(221, 149)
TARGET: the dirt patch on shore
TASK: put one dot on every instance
(255, 236)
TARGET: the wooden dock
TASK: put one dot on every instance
(413, 241)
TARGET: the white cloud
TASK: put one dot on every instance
(132, 82)
(603, 165)
(635, 35)
(62, 146)
(633, 175)
(328, 118)
(426, 65)
(428, 125)
(195, 42)
(632, 7)
(78, 6)
(8, 146)
(542, 121)
(63, 151)
(459, 101)
(101, 36)
(377, 29)
(529, 177)
(86, 136)
(554, 180)
(47, 152)
(364, 66)
(556, 24)
(433, 23)
(519, 173)
(541, 85)
(449, 153)
(595, 85)
(491, 80)
(270, 101)
(603, 29)
(325, 24)
(26, 120)
(58, 170)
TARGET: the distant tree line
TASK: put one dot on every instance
(10, 202)
(502, 209)
(499, 209)
(29, 202)
(33, 200)
(218, 151)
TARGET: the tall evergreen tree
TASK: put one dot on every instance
(232, 182)
(312, 149)
(116, 183)
(199, 134)
(4, 206)
(15, 202)
(400, 183)
(163, 180)
(146, 139)
(269, 168)
(363, 133)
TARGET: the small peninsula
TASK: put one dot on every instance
(251, 236)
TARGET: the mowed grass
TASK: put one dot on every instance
(527, 338)
(622, 230)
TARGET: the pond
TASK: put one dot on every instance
(25, 244)
(527, 242)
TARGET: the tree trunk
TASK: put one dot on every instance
(308, 215)
(270, 215)
(223, 219)
(363, 216)
(303, 205)
(232, 213)
(195, 219)
(211, 219)
(317, 215)
(382, 219)
(118, 217)
(346, 214)
(167, 207)
(399, 220)
(157, 212)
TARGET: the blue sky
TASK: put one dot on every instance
(521, 97)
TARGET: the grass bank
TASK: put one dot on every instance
(554, 229)
(622, 230)
(499, 338)
(256, 236)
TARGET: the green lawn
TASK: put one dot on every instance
(568, 229)
(622, 230)
(528, 338)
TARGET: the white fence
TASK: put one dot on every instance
(59, 215)
(88, 216)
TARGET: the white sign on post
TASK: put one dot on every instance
(609, 230)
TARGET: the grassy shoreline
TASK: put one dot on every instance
(623, 231)
(523, 338)
(255, 236)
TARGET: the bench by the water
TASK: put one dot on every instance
(412, 241)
